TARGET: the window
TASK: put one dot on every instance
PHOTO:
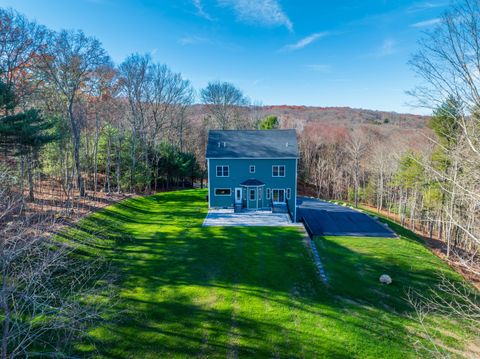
(288, 193)
(238, 195)
(223, 191)
(252, 194)
(252, 169)
(278, 171)
(222, 171)
(278, 196)
(268, 193)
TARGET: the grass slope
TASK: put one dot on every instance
(187, 290)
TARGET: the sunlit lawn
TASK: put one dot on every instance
(186, 290)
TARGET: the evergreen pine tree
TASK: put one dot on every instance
(23, 134)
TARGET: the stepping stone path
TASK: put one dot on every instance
(318, 262)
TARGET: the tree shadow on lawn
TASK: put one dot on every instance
(356, 274)
(174, 263)
(181, 328)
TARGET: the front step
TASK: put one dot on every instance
(237, 208)
(279, 208)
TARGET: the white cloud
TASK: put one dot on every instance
(426, 23)
(323, 68)
(192, 40)
(200, 10)
(305, 41)
(264, 12)
(388, 48)
(425, 5)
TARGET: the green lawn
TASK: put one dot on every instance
(185, 290)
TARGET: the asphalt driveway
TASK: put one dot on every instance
(328, 219)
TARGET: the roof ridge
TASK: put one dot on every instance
(273, 129)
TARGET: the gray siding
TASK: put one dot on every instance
(239, 172)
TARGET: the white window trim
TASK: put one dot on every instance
(288, 193)
(268, 193)
(278, 170)
(222, 195)
(250, 168)
(223, 172)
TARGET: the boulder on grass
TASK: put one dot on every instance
(385, 279)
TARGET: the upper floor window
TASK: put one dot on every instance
(278, 171)
(252, 169)
(223, 171)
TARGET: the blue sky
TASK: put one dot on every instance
(316, 53)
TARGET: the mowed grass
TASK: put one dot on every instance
(191, 291)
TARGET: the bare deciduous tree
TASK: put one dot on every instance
(69, 64)
(449, 63)
(223, 100)
(21, 41)
(134, 81)
(356, 148)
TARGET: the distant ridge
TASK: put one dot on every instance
(347, 116)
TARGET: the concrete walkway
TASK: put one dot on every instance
(226, 218)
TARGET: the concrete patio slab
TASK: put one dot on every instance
(226, 218)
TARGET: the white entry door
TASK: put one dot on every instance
(238, 196)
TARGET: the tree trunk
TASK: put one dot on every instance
(95, 155)
(76, 149)
(118, 163)
(22, 178)
(31, 196)
(133, 158)
(107, 170)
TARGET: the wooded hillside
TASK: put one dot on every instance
(78, 131)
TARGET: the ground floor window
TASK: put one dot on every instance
(288, 193)
(278, 195)
(223, 191)
(268, 193)
(252, 194)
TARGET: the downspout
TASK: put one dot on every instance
(208, 172)
(295, 196)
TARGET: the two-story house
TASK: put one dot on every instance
(253, 170)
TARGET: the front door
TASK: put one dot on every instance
(278, 196)
(252, 198)
(238, 196)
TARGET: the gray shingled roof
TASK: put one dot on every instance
(252, 144)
